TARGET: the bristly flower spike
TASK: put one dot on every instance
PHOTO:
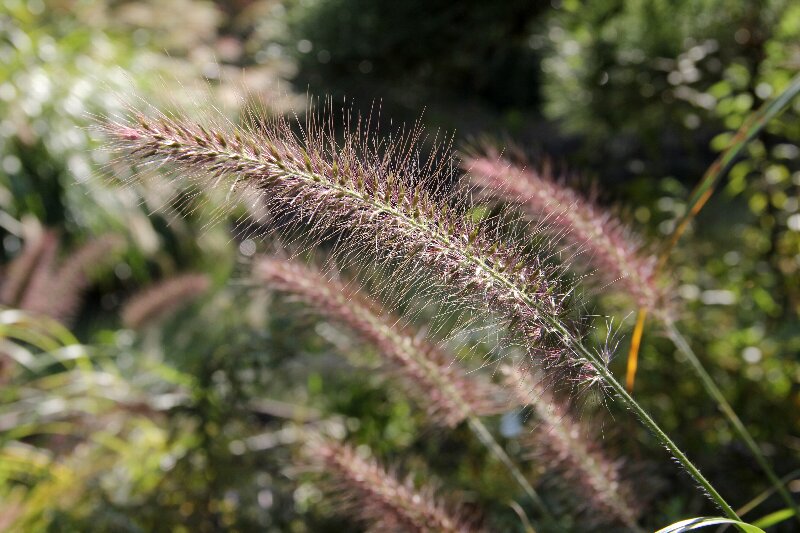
(380, 500)
(380, 199)
(609, 248)
(435, 380)
(564, 445)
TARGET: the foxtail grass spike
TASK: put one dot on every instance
(162, 299)
(380, 500)
(609, 248)
(436, 381)
(382, 199)
(563, 443)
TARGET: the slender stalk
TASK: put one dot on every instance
(749, 130)
(488, 440)
(627, 400)
(700, 195)
(713, 390)
(404, 220)
(758, 500)
(618, 388)
(522, 516)
(705, 188)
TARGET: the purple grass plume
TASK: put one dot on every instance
(604, 243)
(434, 379)
(565, 445)
(162, 299)
(373, 197)
(364, 489)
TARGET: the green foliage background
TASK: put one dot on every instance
(637, 96)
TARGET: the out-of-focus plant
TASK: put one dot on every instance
(185, 410)
(37, 280)
(65, 62)
(74, 426)
(647, 92)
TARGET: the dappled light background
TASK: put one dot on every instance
(147, 383)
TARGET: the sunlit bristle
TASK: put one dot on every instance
(604, 244)
(434, 379)
(569, 447)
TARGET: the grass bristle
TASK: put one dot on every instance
(432, 376)
(604, 244)
(566, 445)
(364, 489)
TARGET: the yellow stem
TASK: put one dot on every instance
(633, 354)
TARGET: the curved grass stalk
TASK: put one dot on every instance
(759, 499)
(713, 390)
(452, 395)
(746, 133)
(526, 524)
(705, 188)
(700, 195)
(375, 198)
